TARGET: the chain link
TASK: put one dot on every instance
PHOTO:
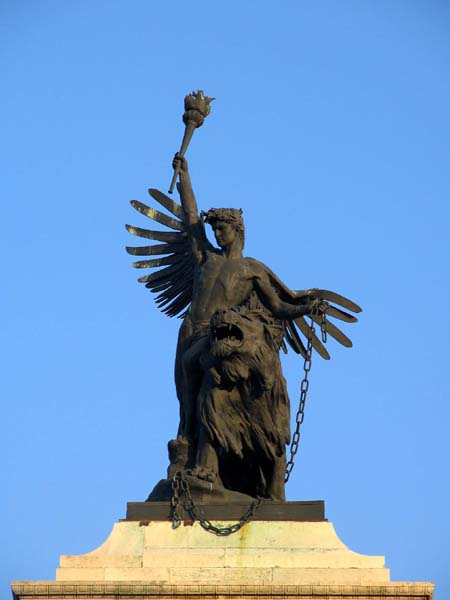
(175, 502)
(323, 326)
(300, 416)
(180, 487)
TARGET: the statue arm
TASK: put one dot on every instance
(282, 302)
(194, 224)
(187, 196)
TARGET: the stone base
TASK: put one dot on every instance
(261, 553)
(265, 559)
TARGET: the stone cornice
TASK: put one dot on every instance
(54, 590)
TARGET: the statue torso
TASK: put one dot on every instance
(220, 283)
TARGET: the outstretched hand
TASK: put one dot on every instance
(306, 296)
(319, 306)
(313, 300)
(179, 163)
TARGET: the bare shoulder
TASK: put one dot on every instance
(213, 251)
(257, 268)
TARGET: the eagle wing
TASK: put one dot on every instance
(174, 282)
(298, 331)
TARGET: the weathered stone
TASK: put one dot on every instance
(265, 553)
(51, 590)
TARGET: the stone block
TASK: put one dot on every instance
(157, 575)
(80, 574)
(303, 558)
(93, 560)
(207, 575)
(174, 557)
(329, 575)
(257, 534)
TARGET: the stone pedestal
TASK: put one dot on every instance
(265, 559)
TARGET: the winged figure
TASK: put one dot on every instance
(236, 306)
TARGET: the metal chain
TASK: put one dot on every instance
(323, 326)
(174, 502)
(180, 487)
(300, 416)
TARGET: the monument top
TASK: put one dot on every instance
(236, 317)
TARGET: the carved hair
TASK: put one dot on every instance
(233, 216)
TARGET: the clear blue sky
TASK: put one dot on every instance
(331, 130)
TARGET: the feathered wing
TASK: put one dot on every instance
(174, 282)
(297, 331)
(295, 327)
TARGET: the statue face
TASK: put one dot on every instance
(224, 233)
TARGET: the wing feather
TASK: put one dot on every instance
(168, 203)
(294, 339)
(335, 332)
(288, 337)
(340, 300)
(173, 259)
(180, 303)
(317, 344)
(160, 236)
(170, 293)
(152, 250)
(151, 213)
(168, 274)
(159, 287)
(340, 314)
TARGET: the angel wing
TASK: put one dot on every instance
(296, 329)
(174, 282)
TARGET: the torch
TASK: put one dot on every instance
(196, 109)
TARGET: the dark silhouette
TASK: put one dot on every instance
(237, 314)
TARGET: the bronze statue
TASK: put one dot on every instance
(237, 315)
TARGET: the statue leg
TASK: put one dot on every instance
(192, 374)
(275, 489)
(184, 341)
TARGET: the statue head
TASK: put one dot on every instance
(225, 221)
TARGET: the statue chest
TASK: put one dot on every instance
(227, 277)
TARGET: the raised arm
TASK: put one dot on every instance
(194, 224)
